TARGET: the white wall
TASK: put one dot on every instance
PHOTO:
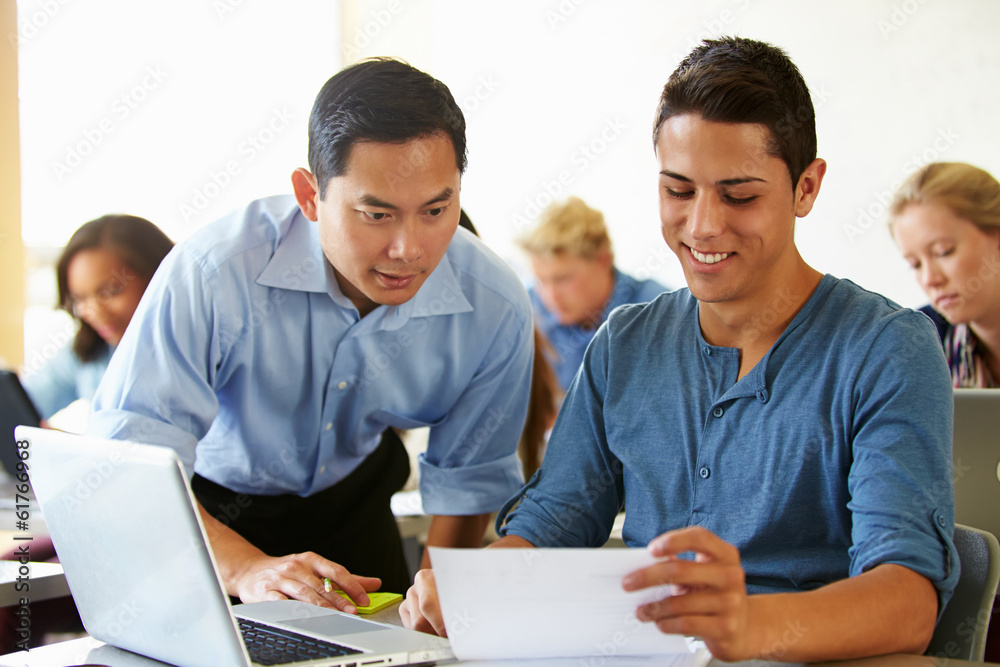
(176, 111)
(896, 83)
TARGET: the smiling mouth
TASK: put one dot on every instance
(709, 258)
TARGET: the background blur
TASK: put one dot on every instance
(181, 111)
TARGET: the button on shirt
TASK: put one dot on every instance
(246, 358)
(829, 457)
(570, 341)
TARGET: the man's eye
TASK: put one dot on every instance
(375, 216)
(679, 195)
(739, 201)
(435, 212)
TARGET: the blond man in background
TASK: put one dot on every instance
(576, 283)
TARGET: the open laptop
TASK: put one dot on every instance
(16, 409)
(130, 539)
(976, 458)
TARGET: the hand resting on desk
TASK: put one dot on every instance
(421, 609)
(253, 576)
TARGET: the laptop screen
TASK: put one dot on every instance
(16, 409)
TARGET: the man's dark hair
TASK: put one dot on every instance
(381, 100)
(738, 80)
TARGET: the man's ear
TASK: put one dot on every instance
(605, 259)
(306, 192)
(808, 187)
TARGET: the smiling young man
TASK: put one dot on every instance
(776, 436)
(277, 349)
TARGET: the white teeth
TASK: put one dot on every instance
(709, 259)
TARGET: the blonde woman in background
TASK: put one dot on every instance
(946, 221)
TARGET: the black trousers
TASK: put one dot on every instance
(350, 523)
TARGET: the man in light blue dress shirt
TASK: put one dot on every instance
(779, 439)
(277, 348)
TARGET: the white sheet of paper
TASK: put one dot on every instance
(549, 603)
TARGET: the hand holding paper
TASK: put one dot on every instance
(536, 603)
(714, 604)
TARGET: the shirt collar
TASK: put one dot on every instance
(298, 263)
(756, 381)
(439, 295)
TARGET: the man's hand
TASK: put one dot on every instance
(710, 599)
(253, 576)
(300, 577)
(887, 609)
(421, 610)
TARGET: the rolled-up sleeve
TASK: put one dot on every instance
(471, 464)
(900, 483)
(573, 499)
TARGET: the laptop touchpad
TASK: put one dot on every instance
(333, 625)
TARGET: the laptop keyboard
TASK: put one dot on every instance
(268, 645)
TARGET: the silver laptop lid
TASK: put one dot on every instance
(122, 519)
(976, 457)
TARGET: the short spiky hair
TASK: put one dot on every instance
(568, 227)
(738, 80)
(384, 100)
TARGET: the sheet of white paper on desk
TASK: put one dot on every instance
(547, 603)
(678, 660)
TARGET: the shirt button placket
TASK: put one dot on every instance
(704, 471)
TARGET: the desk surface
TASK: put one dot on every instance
(89, 651)
(43, 581)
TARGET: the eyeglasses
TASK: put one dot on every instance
(80, 305)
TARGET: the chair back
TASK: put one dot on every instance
(961, 631)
